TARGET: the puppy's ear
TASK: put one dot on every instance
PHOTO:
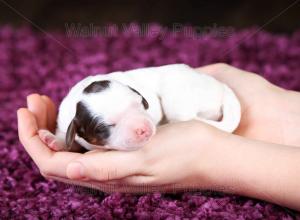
(71, 132)
(144, 101)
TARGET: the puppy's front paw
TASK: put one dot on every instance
(51, 141)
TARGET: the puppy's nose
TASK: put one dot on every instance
(143, 132)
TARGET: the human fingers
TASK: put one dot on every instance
(28, 129)
(51, 113)
(38, 107)
(234, 77)
(213, 68)
(48, 162)
(114, 186)
(105, 166)
(221, 70)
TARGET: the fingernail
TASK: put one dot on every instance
(75, 170)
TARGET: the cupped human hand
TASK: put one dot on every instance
(179, 156)
(269, 113)
(41, 114)
(165, 163)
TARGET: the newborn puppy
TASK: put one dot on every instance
(121, 110)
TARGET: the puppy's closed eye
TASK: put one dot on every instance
(102, 131)
(99, 130)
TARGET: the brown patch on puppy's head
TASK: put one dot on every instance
(90, 127)
(97, 86)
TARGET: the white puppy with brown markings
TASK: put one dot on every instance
(121, 110)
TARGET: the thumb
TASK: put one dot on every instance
(213, 68)
(226, 73)
(105, 166)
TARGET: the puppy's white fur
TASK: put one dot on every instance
(176, 91)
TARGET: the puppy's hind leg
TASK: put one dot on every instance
(213, 115)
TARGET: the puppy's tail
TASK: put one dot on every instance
(231, 109)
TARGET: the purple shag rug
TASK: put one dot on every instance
(34, 62)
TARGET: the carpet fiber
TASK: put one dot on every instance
(31, 62)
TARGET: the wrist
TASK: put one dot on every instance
(256, 169)
(228, 165)
(213, 165)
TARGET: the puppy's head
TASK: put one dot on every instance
(111, 115)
